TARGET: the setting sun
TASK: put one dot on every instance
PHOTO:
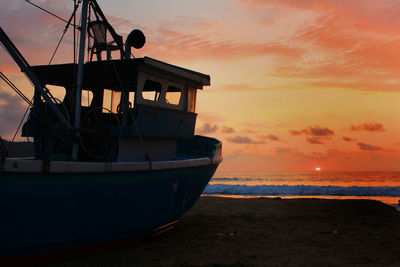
(317, 169)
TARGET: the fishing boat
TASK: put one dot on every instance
(116, 158)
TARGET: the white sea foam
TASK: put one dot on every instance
(300, 190)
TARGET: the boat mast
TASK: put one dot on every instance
(82, 40)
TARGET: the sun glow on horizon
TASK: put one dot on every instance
(317, 169)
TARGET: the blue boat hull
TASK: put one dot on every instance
(43, 212)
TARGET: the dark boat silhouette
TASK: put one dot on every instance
(122, 164)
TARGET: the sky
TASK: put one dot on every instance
(295, 85)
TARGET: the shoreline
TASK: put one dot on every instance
(269, 232)
(388, 200)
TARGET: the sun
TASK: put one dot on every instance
(317, 169)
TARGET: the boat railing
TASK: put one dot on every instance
(199, 146)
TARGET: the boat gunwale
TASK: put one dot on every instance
(30, 165)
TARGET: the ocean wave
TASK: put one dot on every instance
(300, 190)
(234, 179)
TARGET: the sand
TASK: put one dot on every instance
(269, 232)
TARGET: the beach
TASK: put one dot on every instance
(222, 231)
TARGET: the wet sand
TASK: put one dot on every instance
(269, 232)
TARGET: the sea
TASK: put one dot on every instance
(383, 186)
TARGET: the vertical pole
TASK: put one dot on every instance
(82, 39)
(74, 35)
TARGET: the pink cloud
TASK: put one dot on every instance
(358, 39)
(180, 40)
(182, 46)
(34, 32)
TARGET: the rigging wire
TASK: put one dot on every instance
(30, 103)
(20, 123)
(45, 89)
(26, 64)
(9, 83)
(65, 30)
(54, 15)
(89, 20)
(73, 15)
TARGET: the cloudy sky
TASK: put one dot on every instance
(295, 84)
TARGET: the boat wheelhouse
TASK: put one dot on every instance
(132, 110)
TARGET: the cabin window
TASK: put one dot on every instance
(57, 92)
(86, 99)
(131, 99)
(111, 100)
(173, 95)
(192, 100)
(115, 100)
(151, 90)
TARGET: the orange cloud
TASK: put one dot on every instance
(243, 140)
(315, 134)
(370, 127)
(238, 87)
(294, 132)
(314, 131)
(255, 125)
(319, 131)
(207, 128)
(226, 129)
(209, 116)
(272, 137)
(314, 140)
(348, 139)
(368, 147)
